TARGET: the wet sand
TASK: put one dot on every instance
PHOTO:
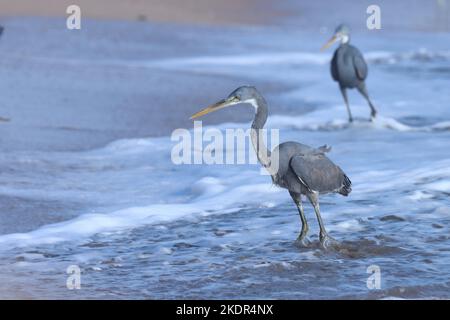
(218, 12)
(409, 15)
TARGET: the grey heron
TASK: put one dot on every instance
(300, 169)
(349, 68)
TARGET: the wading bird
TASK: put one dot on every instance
(300, 169)
(348, 67)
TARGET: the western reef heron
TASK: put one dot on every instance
(349, 68)
(300, 169)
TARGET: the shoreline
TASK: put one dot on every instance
(308, 15)
(192, 12)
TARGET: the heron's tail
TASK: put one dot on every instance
(347, 186)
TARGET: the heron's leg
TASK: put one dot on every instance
(344, 95)
(325, 239)
(302, 239)
(363, 90)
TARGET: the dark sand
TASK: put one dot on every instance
(217, 12)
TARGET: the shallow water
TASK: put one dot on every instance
(139, 226)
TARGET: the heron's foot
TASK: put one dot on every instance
(373, 115)
(303, 240)
(327, 241)
(350, 119)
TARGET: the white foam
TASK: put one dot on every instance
(296, 58)
(420, 195)
(90, 224)
(274, 58)
(443, 185)
(214, 191)
(320, 121)
(346, 226)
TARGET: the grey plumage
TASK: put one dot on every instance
(303, 169)
(349, 68)
(299, 168)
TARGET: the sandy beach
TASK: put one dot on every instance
(420, 14)
(219, 12)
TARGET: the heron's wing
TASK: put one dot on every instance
(360, 65)
(333, 65)
(317, 173)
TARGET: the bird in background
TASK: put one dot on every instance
(349, 68)
(300, 169)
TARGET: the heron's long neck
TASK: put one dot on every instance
(257, 133)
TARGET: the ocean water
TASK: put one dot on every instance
(145, 228)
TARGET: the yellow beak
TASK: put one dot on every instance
(329, 43)
(216, 106)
